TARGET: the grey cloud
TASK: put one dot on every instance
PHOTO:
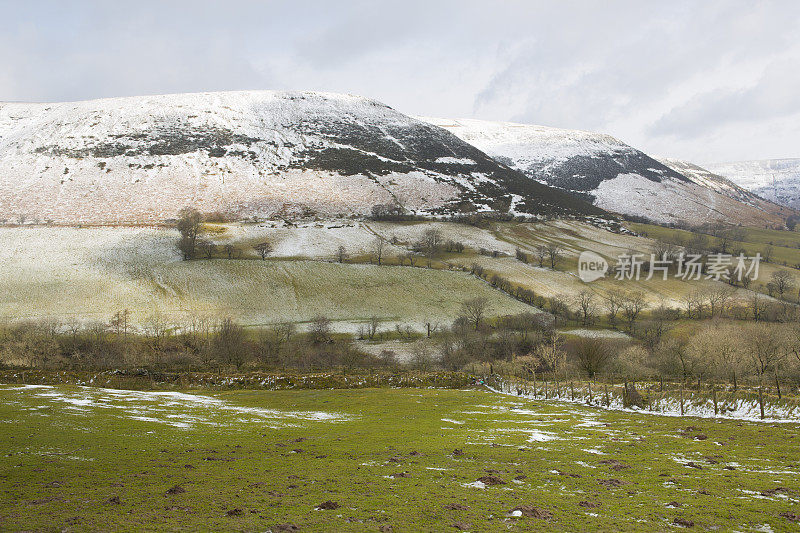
(776, 94)
(642, 71)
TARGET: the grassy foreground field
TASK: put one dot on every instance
(79, 458)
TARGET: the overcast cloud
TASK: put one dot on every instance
(699, 80)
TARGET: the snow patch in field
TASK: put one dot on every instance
(176, 409)
(596, 333)
(535, 435)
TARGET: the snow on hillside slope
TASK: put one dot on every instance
(250, 154)
(777, 180)
(611, 174)
(726, 187)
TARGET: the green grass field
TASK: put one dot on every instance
(785, 244)
(96, 459)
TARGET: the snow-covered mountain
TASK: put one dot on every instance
(252, 153)
(777, 180)
(614, 176)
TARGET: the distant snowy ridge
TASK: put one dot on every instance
(777, 180)
(613, 175)
(258, 154)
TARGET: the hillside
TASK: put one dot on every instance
(774, 179)
(87, 274)
(247, 154)
(613, 175)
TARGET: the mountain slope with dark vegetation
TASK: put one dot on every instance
(614, 176)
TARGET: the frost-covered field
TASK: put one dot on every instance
(89, 274)
(356, 460)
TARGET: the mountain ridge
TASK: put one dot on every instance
(250, 154)
(777, 180)
(615, 176)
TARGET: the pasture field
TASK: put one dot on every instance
(89, 459)
(89, 274)
(785, 244)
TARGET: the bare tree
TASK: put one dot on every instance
(550, 351)
(541, 254)
(272, 341)
(188, 225)
(717, 298)
(781, 282)
(664, 251)
(341, 254)
(320, 329)
(430, 243)
(693, 302)
(613, 304)
(721, 345)
(263, 249)
(120, 322)
(633, 303)
(157, 329)
(554, 253)
(378, 247)
(230, 250)
(422, 357)
(474, 310)
(228, 344)
(585, 301)
(757, 307)
(592, 354)
(207, 247)
(766, 350)
(766, 254)
(372, 327)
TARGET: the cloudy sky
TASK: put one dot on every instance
(702, 80)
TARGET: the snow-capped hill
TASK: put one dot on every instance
(246, 154)
(777, 180)
(614, 176)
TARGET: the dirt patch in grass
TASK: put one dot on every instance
(491, 480)
(177, 489)
(327, 506)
